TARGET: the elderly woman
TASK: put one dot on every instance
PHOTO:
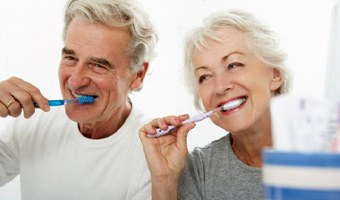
(233, 59)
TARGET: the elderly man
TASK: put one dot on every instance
(84, 151)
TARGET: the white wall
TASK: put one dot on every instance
(30, 43)
(303, 27)
(332, 84)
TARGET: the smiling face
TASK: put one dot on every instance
(95, 62)
(230, 73)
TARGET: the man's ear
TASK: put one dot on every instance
(277, 80)
(137, 82)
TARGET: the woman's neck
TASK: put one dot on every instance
(248, 146)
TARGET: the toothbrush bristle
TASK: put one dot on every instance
(232, 104)
(86, 99)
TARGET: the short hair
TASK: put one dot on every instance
(260, 38)
(118, 13)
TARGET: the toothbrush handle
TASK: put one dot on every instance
(52, 103)
(160, 132)
(196, 118)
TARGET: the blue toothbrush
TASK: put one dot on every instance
(81, 100)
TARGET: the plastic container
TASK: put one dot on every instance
(301, 176)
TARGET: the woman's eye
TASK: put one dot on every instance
(203, 78)
(234, 65)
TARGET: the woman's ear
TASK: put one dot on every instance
(277, 79)
(137, 82)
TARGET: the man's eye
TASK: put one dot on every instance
(98, 68)
(69, 58)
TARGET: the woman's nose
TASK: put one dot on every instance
(223, 84)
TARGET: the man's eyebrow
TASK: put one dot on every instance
(102, 61)
(67, 51)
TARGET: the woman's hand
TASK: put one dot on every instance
(17, 95)
(166, 155)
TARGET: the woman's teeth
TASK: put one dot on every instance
(233, 104)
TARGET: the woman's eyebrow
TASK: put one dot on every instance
(224, 58)
(232, 54)
(201, 68)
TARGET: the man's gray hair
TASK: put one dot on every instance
(118, 13)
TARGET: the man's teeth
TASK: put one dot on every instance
(233, 104)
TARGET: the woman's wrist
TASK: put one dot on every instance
(165, 189)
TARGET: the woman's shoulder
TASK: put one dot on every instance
(213, 148)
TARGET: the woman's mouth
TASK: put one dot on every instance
(233, 104)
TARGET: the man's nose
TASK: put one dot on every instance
(79, 76)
